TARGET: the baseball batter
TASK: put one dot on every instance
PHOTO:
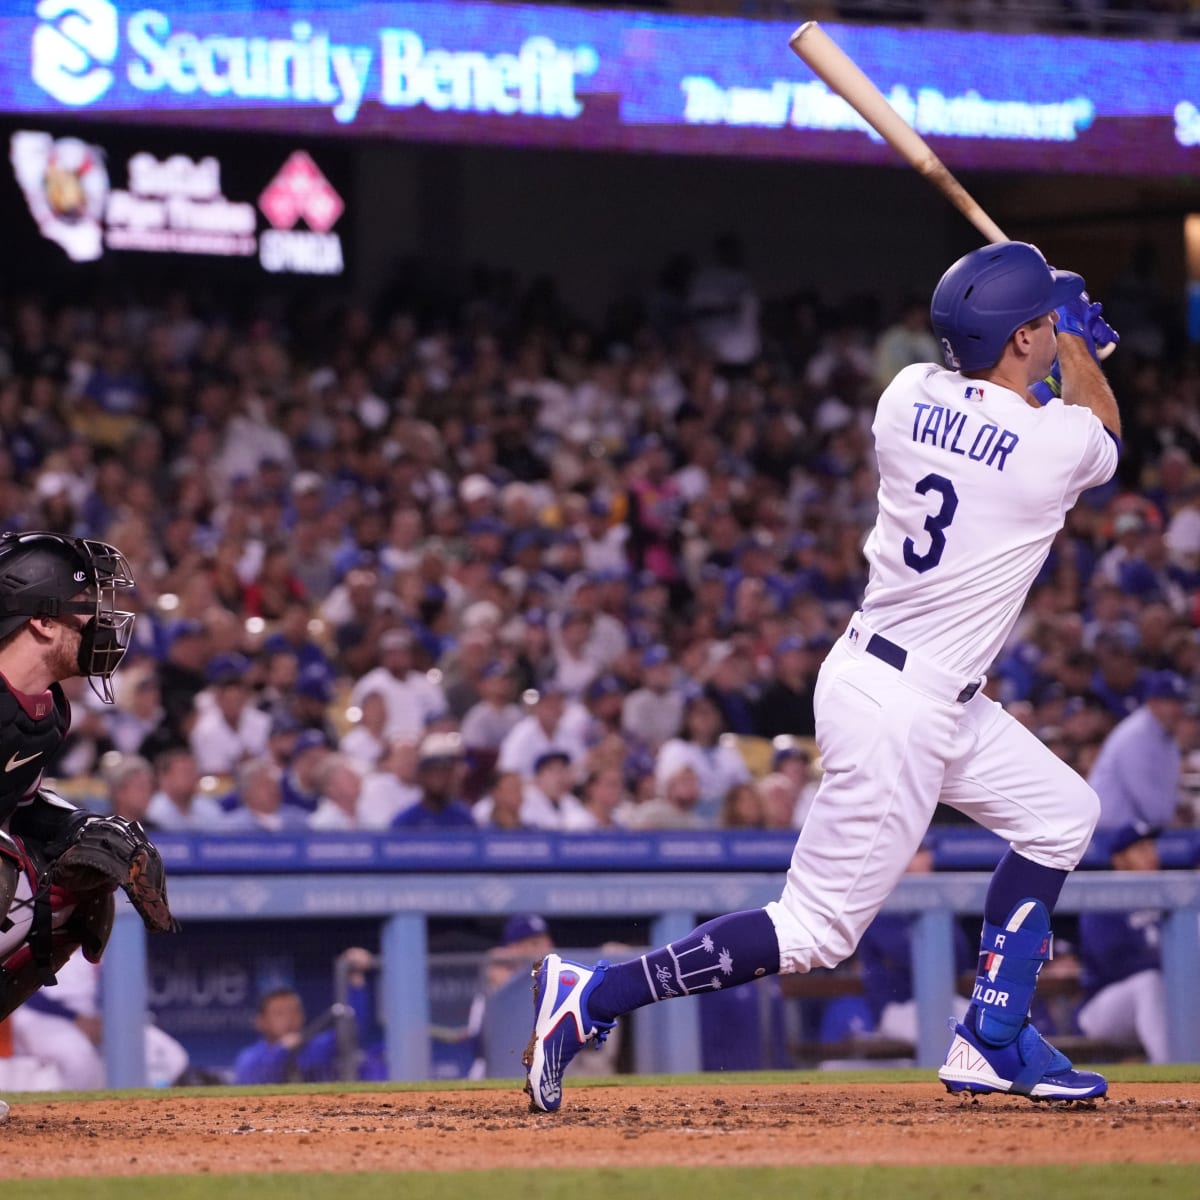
(976, 478)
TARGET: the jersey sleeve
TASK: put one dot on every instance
(1098, 449)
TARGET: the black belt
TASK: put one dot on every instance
(896, 656)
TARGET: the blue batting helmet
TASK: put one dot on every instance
(981, 301)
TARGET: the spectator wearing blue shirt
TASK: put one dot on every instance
(440, 765)
(282, 1054)
(1136, 774)
(1119, 953)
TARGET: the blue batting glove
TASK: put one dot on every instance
(1081, 318)
(1049, 388)
(1102, 333)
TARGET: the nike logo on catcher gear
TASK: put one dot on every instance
(15, 762)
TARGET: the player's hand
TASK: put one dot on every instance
(1049, 388)
(1084, 319)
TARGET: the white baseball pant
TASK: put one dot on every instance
(893, 744)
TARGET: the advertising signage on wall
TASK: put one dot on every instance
(159, 193)
(539, 75)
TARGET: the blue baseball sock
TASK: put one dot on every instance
(1016, 879)
(720, 953)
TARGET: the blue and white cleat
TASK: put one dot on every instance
(561, 1026)
(1028, 1066)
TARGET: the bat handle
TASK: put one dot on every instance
(1102, 352)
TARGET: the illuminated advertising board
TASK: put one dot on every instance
(539, 75)
(102, 195)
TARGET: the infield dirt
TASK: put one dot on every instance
(723, 1124)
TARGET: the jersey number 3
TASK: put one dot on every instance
(936, 523)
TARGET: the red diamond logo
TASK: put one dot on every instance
(299, 190)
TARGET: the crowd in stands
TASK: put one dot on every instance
(479, 563)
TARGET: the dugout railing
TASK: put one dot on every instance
(669, 880)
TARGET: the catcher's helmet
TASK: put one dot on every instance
(48, 574)
(981, 301)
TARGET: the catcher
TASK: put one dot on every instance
(60, 865)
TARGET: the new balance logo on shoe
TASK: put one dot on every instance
(965, 1057)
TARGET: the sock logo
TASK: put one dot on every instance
(665, 977)
(73, 48)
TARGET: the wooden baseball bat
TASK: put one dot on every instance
(841, 74)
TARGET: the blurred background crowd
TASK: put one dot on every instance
(462, 558)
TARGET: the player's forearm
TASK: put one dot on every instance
(1083, 382)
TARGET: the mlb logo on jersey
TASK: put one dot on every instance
(973, 393)
(852, 634)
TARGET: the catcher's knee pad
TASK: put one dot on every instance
(1010, 960)
(21, 975)
(12, 866)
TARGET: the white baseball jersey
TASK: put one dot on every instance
(975, 484)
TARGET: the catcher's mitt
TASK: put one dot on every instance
(110, 852)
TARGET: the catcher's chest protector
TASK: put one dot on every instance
(32, 728)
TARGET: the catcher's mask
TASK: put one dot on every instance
(49, 574)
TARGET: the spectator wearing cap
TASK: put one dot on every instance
(477, 493)
(292, 634)
(793, 759)
(602, 540)
(409, 694)
(525, 939)
(604, 700)
(1119, 681)
(231, 728)
(1122, 976)
(365, 742)
(299, 782)
(718, 762)
(548, 802)
(391, 787)
(1137, 772)
(311, 697)
(551, 722)
(654, 711)
(440, 765)
(181, 674)
(177, 804)
(339, 785)
(785, 706)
